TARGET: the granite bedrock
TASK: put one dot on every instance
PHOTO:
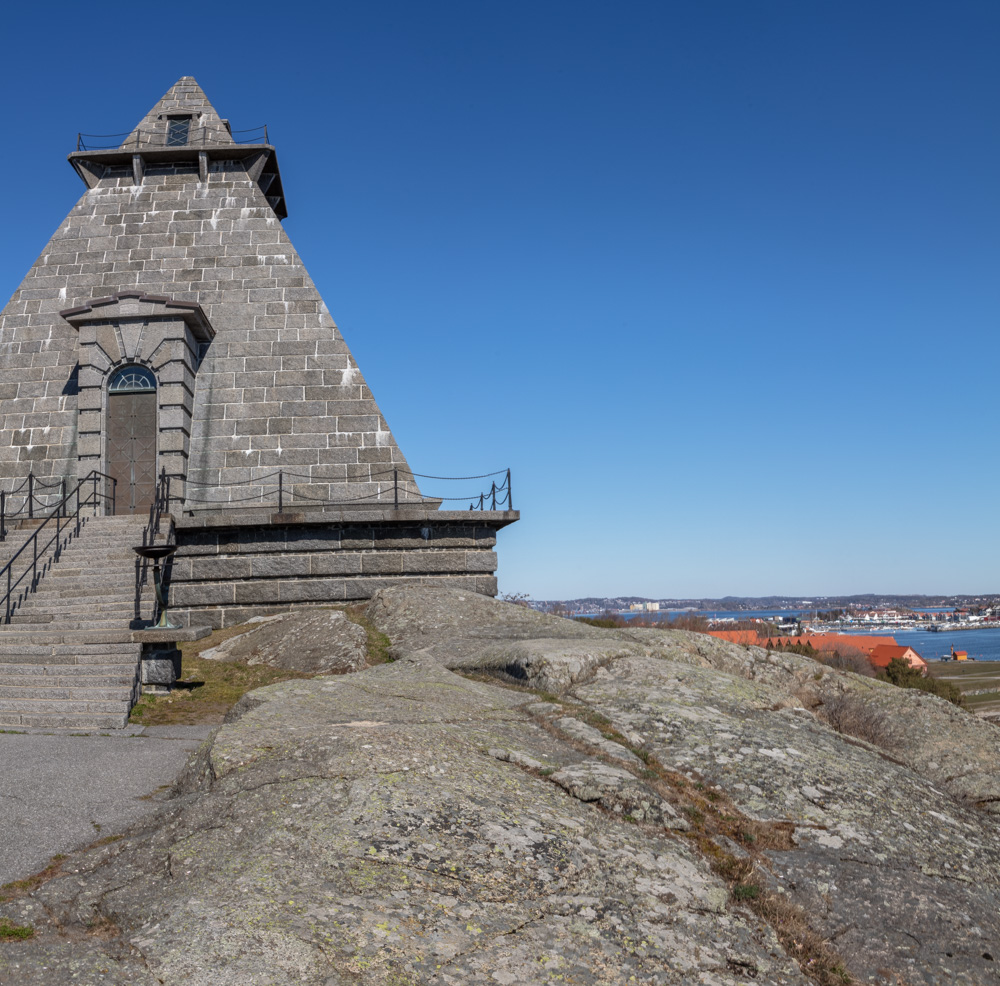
(455, 817)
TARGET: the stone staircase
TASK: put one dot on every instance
(67, 658)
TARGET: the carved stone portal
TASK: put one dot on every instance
(165, 336)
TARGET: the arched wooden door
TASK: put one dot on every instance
(132, 438)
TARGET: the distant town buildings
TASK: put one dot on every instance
(884, 653)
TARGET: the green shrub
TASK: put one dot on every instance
(900, 673)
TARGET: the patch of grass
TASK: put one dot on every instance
(14, 932)
(550, 697)
(207, 689)
(983, 698)
(746, 891)
(378, 642)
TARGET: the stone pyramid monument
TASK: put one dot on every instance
(169, 328)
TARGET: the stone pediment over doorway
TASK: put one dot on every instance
(133, 305)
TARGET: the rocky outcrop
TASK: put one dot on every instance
(673, 810)
(313, 641)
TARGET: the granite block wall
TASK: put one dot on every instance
(277, 387)
(222, 575)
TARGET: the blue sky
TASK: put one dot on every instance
(717, 280)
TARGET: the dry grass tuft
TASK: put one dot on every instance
(854, 715)
(712, 815)
(17, 888)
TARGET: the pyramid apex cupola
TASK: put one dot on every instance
(182, 131)
(182, 116)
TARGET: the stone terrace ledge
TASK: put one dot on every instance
(231, 565)
(416, 512)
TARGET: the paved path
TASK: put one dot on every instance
(60, 792)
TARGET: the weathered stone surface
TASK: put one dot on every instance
(472, 632)
(355, 829)
(320, 641)
(409, 825)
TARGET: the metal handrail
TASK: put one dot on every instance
(63, 519)
(32, 498)
(158, 507)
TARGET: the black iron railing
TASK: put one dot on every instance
(159, 506)
(36, 495)
(284, 487)
(33, 556)
(211, 136)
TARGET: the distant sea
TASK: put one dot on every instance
(983, 645)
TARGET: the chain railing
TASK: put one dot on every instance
(275, 488)
(65, 516)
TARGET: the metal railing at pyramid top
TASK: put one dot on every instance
(197, 137)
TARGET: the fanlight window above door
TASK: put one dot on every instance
(130, 379)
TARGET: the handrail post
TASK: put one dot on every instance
(395, 487)
(63, 504)
(3, 514)
(34, 561)
(31, 496)
(510, 493)
(78, 485)
(281, 491)
(493, 494)
(7, 618)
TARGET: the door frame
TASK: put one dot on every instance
(114, 373)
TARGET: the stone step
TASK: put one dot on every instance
(90, 692)
(79, 659)
(104, 599)
(64, 720)
(75, 613)
(99, 610)
(52, 661)
(67, 658)
(115, 592)
(102, 674)
(19, 635)
(32, 645)
(36, 705)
